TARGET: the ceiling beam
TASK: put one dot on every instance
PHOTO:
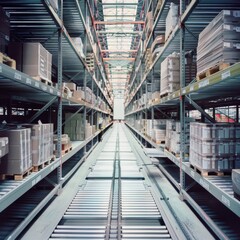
(120, 4)
(118, 51)
(118, 23)
(119, 59)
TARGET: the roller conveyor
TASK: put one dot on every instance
(115, 201)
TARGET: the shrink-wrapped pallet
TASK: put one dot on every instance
(42, 142)
(170, 74)
(19, 158)
(218, 43)
(74, 126)
(214, 147)
(4, 146)
(171, 20)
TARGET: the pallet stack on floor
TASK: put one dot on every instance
(214, 147)
(218, 45)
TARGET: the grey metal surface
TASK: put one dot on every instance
(114, 202)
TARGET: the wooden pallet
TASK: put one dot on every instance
(7, 60)
(16, 177)
(210, 71)
(43, 165)
(178, 154)
(64, 151)
(165, 94)
(45, 81)
(208, 172)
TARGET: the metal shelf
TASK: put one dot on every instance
(26, 88)
(225, 82)
(29, 15)
(213, 184)
(195, 10)
(219, 186)
(11, 190)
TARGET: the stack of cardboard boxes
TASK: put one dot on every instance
(219, 42)
(215, 147)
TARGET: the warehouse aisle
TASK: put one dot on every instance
(113, 200)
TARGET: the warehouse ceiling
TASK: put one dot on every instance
(119, 29)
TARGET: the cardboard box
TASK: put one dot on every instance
(19, 158)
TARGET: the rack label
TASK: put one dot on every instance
(44, 88)
(0, 68)
(36, 180)
(203, 83)
(191, 88)
(192, 173)
(226, 74)
(50, 90)
(226, 201)
(17, 76)
(184, 91)
(37, 84)
(204, 184)
(29, 81)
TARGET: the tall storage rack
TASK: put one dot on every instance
(219, 89)
(39, 21)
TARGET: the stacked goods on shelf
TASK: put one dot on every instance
(78, 45)
(18, 161)
(169, 128)
(218, 44)
(88, 95)
(149, 24)
(4, 30)
(65, 143)
(215, 147)
(74, 127)
(90, 61)
(4, 146)
(156, 129)
(79, 94)
(236, 182)
(148, 59)
(171, 20)
(42, 143)
(158, 6)
(157, 46)
(173, 136)
(89, 130)
(156, 94)
(142, 100)
(37, 61)
(170, 74)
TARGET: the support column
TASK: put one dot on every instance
(59, 111)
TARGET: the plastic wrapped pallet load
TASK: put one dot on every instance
(37, 61)
(19, 158)
(214, 147)
(89, 130)
(218, 43)
(4, 146)
(171, 20)
(170, 74)
(74, 126)
(42, 142)
(236, 182)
